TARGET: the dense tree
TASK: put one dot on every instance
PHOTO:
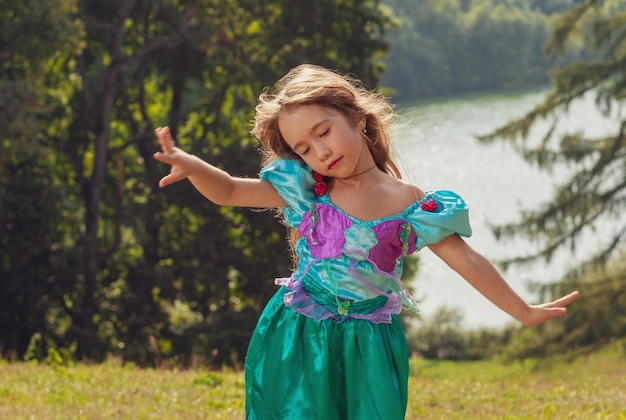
(449, 46)
(124, 267)
(34, 212)
(595, 191)
(599, 318)
(442, 337)
(426, 37)
(554, 6)
(25, 58)
(501, 47)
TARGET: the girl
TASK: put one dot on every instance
(329, 344)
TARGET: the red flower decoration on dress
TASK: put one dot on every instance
(429, 205)
(320, 188)
(320, 185)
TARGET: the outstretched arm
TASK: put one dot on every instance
(215, 184)
(484, 277)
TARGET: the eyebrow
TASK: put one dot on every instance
(311, 130)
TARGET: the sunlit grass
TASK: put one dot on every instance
(593, 388)
(109, 391)
(590, 388)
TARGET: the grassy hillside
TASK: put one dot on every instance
(590, 388)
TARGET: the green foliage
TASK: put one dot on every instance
(449, 46)
(595, 190)
(25, 56)
(592, 195)
(597, 320)
(94, 254)
(443, 337)
(31, 237)
(41, 349)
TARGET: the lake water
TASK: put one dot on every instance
(438, 150)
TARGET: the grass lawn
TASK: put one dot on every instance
(590, 388)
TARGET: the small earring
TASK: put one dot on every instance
(364, 130)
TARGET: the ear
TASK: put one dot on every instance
(361, 122)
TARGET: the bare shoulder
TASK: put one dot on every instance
(410, 190)
(402, 193)
(382, 196)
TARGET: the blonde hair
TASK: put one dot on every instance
(309, 84)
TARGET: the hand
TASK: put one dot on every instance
(182, 163)
(538, 314)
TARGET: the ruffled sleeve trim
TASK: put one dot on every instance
(294, 181)
(438, 215)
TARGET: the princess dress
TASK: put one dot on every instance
(329, 344)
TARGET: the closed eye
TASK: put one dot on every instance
(325, 132)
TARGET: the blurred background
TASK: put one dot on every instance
(517, 105)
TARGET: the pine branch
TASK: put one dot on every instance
(566, 25)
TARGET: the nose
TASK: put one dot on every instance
(323, 152)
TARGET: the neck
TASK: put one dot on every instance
(360, 173)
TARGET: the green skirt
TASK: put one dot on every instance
(301, 368)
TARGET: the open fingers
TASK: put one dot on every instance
(165, 139)
(167, 180)
(166, 155)
(565, 300)
(546, 311)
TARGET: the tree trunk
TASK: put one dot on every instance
(87, 329)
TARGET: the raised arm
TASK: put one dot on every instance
(215, 184)
(483, 276)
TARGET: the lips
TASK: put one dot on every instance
(334, 163)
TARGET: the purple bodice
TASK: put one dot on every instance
(330, 233)
(350, 268)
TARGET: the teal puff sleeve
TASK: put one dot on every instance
(294, 181)
(439, 215)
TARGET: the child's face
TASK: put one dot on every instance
(327, 140)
